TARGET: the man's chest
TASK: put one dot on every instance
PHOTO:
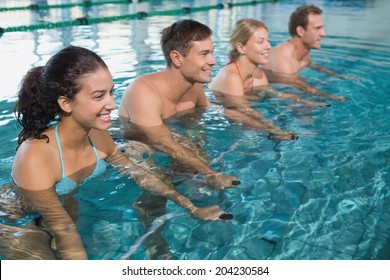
(181, 107)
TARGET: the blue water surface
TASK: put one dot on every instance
(324, 196)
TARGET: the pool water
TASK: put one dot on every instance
(324, 196)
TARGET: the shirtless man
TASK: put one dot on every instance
(154, 98)
(306, 28)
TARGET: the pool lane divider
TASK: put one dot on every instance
(86, 3)
(139, 15)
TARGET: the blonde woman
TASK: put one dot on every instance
(249, 48)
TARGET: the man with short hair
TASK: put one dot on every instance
(306, 27)
(154, 98)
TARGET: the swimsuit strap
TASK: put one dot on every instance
(66, 185)
(59, 149)
(94, 148)
(239, 73)
(238, 70)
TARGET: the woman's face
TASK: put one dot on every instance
(258, 46)
(95, 101)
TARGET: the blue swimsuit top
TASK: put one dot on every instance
(66, 185)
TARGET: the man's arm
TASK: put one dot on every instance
(327, 71)
(157, 186)
(300, 83)
(145, 109)
(294, 97)
(160, 137)
(149, 180)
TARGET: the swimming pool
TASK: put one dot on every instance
(324, 196)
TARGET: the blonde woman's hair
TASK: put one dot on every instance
(242, 31)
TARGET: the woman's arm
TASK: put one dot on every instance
(35, 173)
(238, 109)
(67, 238)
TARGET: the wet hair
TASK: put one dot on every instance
(41, 87)
(180, 35)
(241, 33)
(300, 18)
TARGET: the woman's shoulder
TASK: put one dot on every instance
(224, 75)
(36, 148)
(36, 164)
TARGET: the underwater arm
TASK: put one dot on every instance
(48, 204)
(161, 138)
(35, 177)
(145, 111)
(157, 186)
(237, 108)
(301, 84)
(298, 82)
(327, 71)
(294, 97)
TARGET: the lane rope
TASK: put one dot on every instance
(138, 15)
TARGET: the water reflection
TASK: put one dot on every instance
(322, 197)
